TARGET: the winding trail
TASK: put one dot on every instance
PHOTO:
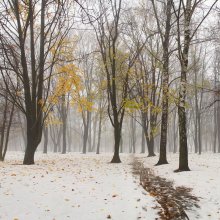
(174, 201)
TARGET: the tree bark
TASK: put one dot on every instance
(45, 139)
(94, 133)
(32, 144)
(117, 136)
(85, 138)
(165, 88)
(99, 133)
(64, 121)
(142, 141)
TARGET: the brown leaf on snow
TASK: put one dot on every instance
(114, 195)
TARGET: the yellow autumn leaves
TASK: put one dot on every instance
(68, 81)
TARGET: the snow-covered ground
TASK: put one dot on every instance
(204, 179)
(72, 186)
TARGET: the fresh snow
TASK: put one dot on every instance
(87, 187)
(72, 186)
(204, 179)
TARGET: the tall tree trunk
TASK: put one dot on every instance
(183, 157)
(64, 137)
(69, 137)
(165, 87)
(199, 132)
(151, 148)
(133, 134)
(99, 133)
(149, 140)
(215, 104)
(152, 133)
(117, 136)
(58, 140)
(121, 145)
(142, 141)
(90, 133)
(174, 133)
(8, 130)
(86, 121)
(218, 125)
(196, 115)
(45, 139)
(33, 99)
(23, 129)
(85, 138)
(183, 50)
(64, 121)
(94, 132)
(215, 129)
(3, 127)
(33, 139)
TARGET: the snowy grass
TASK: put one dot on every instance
(72, 186)
(204, 179)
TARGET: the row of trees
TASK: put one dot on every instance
(108, 60)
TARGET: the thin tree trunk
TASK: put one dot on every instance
(199, 132)
(3, 129)
(99, 133)
(133, 134)
(8, 130)
(85, 138)
(64, 120)
(142, 141)
(90, 133)
(165, 81)
(196, 115)
(215, 129)
(94, 133)
(218, 124)
(121, 145)
(174, 133)
(64, 137)
(184, 56)
(45, 139)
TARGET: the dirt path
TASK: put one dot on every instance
(174, 201)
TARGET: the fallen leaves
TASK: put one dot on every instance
(52, 183)
(114, 195)
(173, 200)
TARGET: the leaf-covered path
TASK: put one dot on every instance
(174, 201)
(72, 186)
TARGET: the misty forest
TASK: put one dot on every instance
(109, 109)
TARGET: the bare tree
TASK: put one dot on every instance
(31, 37)
(117, 66)
(165, 38)
(184, 12)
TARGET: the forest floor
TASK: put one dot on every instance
(87, 187)
(203, 179)
(74, 187)
(174, 202)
